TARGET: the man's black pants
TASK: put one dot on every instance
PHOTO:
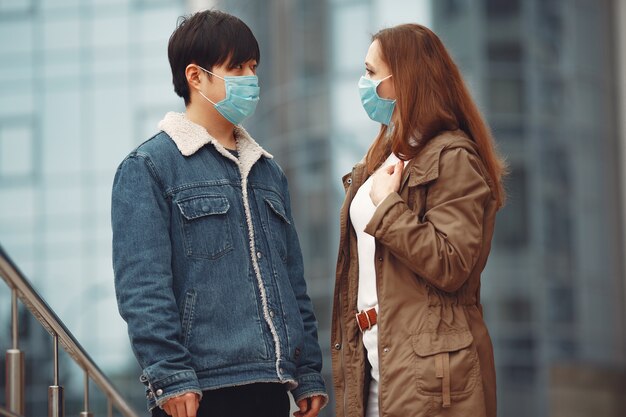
(252, 400)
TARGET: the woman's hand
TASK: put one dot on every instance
(185, 405)
(386, 181)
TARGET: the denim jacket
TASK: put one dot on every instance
(208, 268)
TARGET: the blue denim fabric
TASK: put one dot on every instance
(185, 282)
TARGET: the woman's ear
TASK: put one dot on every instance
(192, 73)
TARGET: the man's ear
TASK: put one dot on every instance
(192, 73)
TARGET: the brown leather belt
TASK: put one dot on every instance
(366, 319)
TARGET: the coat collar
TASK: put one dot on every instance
(189, 137)
(425, 166)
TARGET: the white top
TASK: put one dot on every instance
(361, 211)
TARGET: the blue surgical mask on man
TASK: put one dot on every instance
(242, 97)
(378, 109)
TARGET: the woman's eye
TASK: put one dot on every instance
(238, 66)
(368, 72)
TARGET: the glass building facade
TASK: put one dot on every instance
(544, 75)
(82, 82)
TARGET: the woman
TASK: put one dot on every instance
(408, 332)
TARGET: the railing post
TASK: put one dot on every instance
(15, 376)
(56, 403)
(86, 412)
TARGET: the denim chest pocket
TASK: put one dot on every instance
(206, 230)
(278, 223)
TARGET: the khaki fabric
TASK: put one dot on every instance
(433, 238)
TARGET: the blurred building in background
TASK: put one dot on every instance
(82, 82)
(545, 75)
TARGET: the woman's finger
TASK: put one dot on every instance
(397, 172)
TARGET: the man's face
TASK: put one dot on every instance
(213, 87)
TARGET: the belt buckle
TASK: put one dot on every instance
(367, 317)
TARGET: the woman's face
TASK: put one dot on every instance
(377, 69)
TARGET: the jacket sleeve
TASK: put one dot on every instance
(310, 380)
(443, 247)
(140, 218)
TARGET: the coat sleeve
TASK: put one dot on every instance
(142, 253)
(443, 247)
(310, 380)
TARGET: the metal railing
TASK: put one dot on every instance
(15, 376)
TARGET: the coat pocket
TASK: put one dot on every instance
(205, 226)
(446, 364)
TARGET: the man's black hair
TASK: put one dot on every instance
(209, 38)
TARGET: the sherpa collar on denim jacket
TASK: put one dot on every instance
(189, 137)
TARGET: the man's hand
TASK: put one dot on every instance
(309, 407)
(386, 181)
(185, 405)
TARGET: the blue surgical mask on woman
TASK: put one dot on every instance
(242, 96)
(378, 109)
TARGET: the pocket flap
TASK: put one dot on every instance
(430, 343)
(278, 208)
(204, 205)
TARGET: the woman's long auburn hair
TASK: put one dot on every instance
(431, 98)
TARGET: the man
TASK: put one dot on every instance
(208, 268)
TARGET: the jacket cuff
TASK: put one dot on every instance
(309, 386)
(376, 225)
(159, 391)
(177, 393)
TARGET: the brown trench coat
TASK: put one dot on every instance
(432, 242)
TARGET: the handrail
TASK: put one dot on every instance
(11, 274)
(8, 413)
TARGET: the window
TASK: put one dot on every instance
(512, 224)
(561, 308)
(505, 52)
(522, 374)
(503, 8)
(516, 309)
(16, 151)
(453, 8)
(506, 95)
(15, 6)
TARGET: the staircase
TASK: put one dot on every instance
(22, 291)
